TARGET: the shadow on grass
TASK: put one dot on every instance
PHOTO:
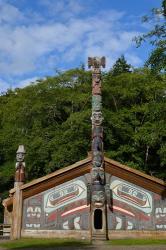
(43, 243)
(132, 242)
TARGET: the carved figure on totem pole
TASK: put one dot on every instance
(96, 84)
(97, 131)
(98, 199)
(98, 175)
(97, 159)
(97, 118)
(96, 103)
(96, 62)
(20, 164)
(97, 144)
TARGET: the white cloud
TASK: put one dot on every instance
(27, 81)
(9, 13)
(133, 59)
(64, 8)
(20, 84)
(33, 46)
(4, 86)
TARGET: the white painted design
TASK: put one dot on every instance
(34, 212)
(130, 225)
(119, 223)
(132, 195)
(33, 225)
(69, 192)
(160, 212)
(161, 226)
(66, 225)
(77, 223)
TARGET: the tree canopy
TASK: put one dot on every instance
(157, 38)
(120, 66)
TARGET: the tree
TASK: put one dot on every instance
(157, 38)
(52, 119)
(120, 66)
(135, 114)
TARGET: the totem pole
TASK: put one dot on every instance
(17, 197)
(20, 166)
(97, 192)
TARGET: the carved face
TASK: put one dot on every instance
(96, 88)
(98, 175)
(102, 175)
(95, 174)
(97, 159)
(97, 118)
(96, 78)
(98, 198)
(20, 157)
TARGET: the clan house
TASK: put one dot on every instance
(96, 198)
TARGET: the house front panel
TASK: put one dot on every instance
(63, 207)
(135, 208)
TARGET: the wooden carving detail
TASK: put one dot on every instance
(97, 173)
(20, 164)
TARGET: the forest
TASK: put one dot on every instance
(51, 117)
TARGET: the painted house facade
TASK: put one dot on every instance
(56, 205)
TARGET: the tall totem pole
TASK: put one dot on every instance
(97, 198)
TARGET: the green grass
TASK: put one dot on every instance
(48, 243)
(130, 242)
(42, 243)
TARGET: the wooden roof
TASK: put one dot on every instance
(84, 166)
(135, 176)
(56, 178)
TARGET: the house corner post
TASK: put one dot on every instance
(17, 197)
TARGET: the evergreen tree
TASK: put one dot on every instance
(120, 66)
(157, 38)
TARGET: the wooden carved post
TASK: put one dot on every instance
(98, 196)
(20, 166)
(17, 198)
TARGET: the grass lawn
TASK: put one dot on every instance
(130, 242)
(48, 243)
(41, 243)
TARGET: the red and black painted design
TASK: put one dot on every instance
(61, 208)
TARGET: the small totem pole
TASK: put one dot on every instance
(17, 197)
(97, 196)
(20, 165)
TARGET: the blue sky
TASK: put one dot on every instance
(39, 36)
